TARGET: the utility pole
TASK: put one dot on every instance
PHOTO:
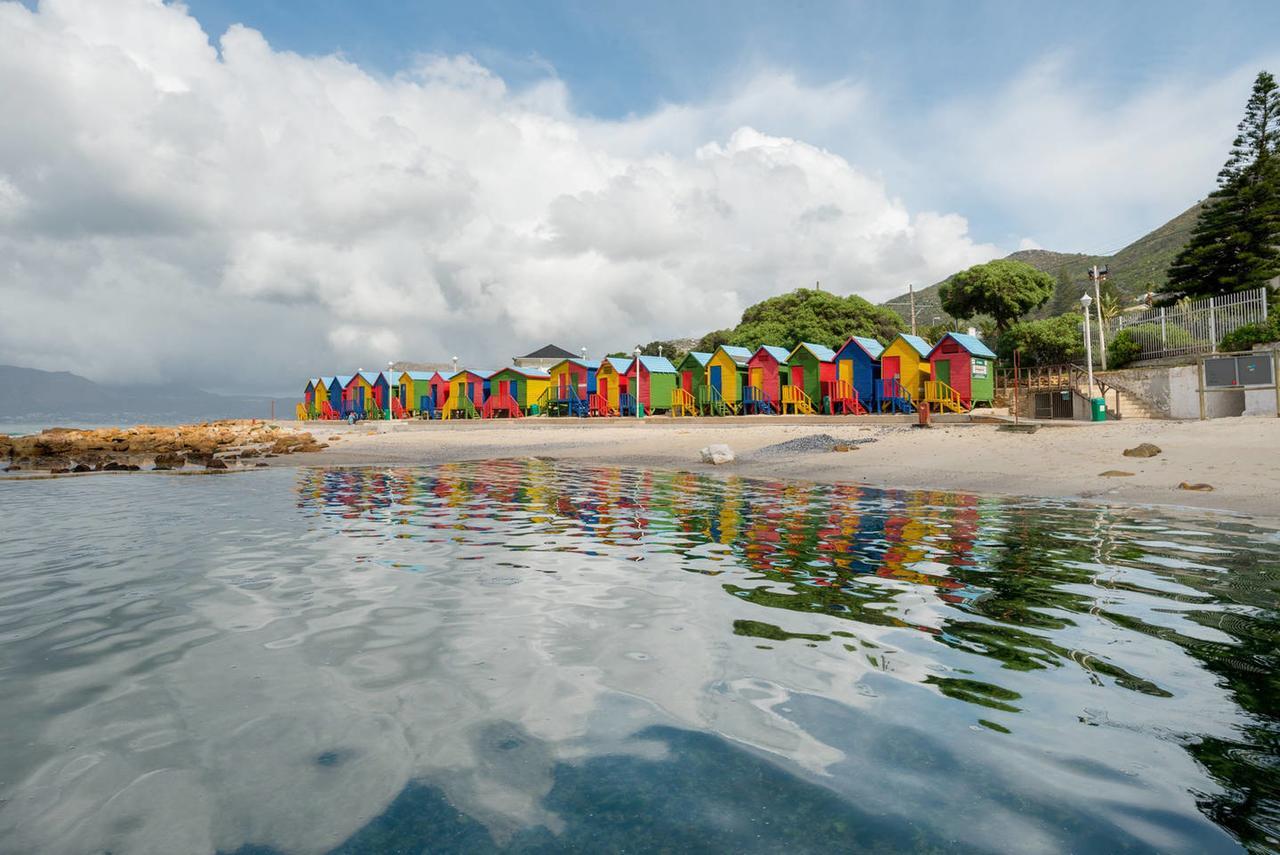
(911, 289)
(1097, 276)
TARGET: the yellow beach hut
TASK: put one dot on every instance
(727, 374)
(611, 382)
(904, 366)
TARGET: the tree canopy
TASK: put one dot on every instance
(1004, 289)
(1236, 242)
(1049, 341)
(807, 314)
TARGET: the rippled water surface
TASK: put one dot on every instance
(527, 656)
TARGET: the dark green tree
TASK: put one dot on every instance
(820, 317)
(1236, 242)
(1050, 341)
(1003, 289)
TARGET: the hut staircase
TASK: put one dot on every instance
(462, 408)
(844, 399)
(397, 409)
(714, 404)
(894, 398)
(626, 404)
(941, 395)
(754, 401)
(429, 410)
(598, 405)
(795, 398)
(501, 405)
(328, 413)
(683, 403)
(302, 412)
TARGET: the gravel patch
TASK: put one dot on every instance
(815, 442)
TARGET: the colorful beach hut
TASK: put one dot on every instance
(573, 381)
(323, 396)
(338, 394)
(904, 366)
(766, 375)
(812, 366)
(963, 372)
(655, 384)
(357, 394)
(611, 383)
(466, 395)
(522, 386)
(858, 364)
(726, 378)
(309, 404)
(439, 384)
(692, 371)
(415, 393)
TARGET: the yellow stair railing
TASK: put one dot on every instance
(940, 393)
(460, 408)
(795, 398)
(683, 404)
(302, 412)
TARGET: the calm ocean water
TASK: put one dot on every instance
(532, 657)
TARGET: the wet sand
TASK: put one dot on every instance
(1239, 457)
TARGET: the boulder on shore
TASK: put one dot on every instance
(717, 454)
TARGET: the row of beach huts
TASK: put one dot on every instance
(862, 376)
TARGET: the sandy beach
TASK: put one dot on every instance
(1236, 457)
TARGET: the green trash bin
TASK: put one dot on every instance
(1099, 409)
(533, 409)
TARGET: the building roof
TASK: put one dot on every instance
(549, 351)
(779, 354)
(590, 364)
(343, 380)
(971, 343)
(656, 364)
(740, 355)
(479, 372)
(445, 375)
(326, 381)
(535, 373)
(703, 358)
(918, 344)
(418, 375)
(370, 377)
(869, 346)
(823, 353)
(617, 363)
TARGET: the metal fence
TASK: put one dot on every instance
(1190, 326)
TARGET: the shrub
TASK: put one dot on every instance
(1122, 350)
(1247, 336)
(1045, 342)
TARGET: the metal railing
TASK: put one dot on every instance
(1188, 327)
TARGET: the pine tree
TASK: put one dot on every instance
(1236, 242)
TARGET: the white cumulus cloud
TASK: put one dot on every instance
(173, 207)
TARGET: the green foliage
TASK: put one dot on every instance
(1245, 337)
(1122, 349)
(809, 315)
(1236, 242)
(1050, 341)
(1003, 289)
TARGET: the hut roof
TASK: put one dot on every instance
(870, 346)
(589, 364)
(549, 351)
(370, 376)
(823, 353)
(656, 365)
(535, 373)
(779, 354)
(918, 344)
(344, 380)
(419, 375)
(617, 363)
(971, 343)
(703, 358)
(325, 381)
(740, 355)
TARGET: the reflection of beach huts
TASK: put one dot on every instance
(963, 373)
(811, 366)
(514, 391)
(726, 378)
(611, 383)
(466, 395)
(904, 366)
(655, 385)
(858, 365)
(691, 377)
(766, 375)
(573, 381)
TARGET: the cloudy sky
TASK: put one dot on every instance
(241, 194)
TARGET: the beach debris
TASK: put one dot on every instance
(844, 446)
(1145, 449)
(1114, 473)
(1019, 428)
(717, 454)
(1200, 488)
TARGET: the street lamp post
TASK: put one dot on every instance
(1085, 302)
(637, 395)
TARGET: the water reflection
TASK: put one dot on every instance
(530, 656)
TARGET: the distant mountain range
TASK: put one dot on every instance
(31, 395)
(1139, 267)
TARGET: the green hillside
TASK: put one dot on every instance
(1134, 270)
